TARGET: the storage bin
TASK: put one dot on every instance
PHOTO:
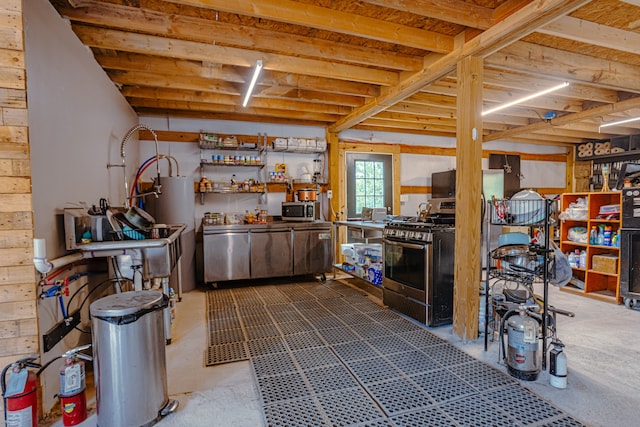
(605, 263)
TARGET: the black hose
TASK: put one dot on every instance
(46, 365)
(108, 281)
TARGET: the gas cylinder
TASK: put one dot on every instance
(20, 398)
(73, 400)
(522, 353)
(557, 365)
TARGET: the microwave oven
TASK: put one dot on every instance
(300, 211)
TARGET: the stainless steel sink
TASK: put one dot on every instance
(159, 256)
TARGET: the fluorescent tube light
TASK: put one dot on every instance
(619, 122)
(256, 73)
(526, 98)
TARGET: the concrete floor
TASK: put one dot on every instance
(602, 345)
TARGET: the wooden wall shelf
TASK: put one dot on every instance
(601, 285)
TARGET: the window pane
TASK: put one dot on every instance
(368, 184)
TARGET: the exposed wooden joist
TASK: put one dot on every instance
(164, 47)
(523, 22)
(332, 20)
(557, 64)
(218, 108)
(459, 12)
(594, 34)
(170, 67)
(168, 94)
(222, 33)
(568, 118)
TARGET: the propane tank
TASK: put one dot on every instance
(19, 394)
(522, 352)
(557, 365)
(73, 399)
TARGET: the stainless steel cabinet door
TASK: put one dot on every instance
(226, 257)
(271, 253)
(311, 251)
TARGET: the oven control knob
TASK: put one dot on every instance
(418, 235)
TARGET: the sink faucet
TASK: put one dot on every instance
(123, 144)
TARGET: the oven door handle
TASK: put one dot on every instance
(403, 244)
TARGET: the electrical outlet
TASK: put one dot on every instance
(329, 194)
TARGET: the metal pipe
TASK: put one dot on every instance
(123, 155)
(45, 266)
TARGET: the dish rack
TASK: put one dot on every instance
(519, 212)
(121, 229)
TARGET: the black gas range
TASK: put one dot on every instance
(418, 263)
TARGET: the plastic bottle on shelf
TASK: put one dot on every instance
(571, 257)
(600, 240)
(583, 259)
(607, 235)
(593, 236)
(615, 241)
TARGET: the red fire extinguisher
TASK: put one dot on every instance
(19, 393)
(73, 400)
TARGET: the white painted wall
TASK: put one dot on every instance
(415, 169)
(77, 119)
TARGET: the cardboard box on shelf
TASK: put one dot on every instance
(605, 263)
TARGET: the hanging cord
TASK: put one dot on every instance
(87, 296)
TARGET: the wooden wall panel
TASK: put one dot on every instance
(19, 334)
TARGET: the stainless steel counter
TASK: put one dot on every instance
(274, 225)
(274, 249)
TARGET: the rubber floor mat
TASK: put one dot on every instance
(323, 354)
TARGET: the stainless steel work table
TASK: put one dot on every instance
(274, 249)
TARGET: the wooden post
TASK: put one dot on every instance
(468, 198)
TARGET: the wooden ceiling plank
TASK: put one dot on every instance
(134, 78)
(456, 11)
(183, 49)
(208, 31)
(428, 132)
(573, 67)
(566, 100)
(196, 106)
(593, 33)
(340, 89)
(150, 111)
(425, 110)
(517, 25)
(313, 16)
(569, 118)
(211, 98)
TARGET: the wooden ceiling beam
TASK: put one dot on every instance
(183, 49)
(456, 11)
(562, 65)
(568, 118)
(593, 33)
(167, 94)
(428, 132)
(216, 108)
(512, 28)
(208, 31)
(309, 15)
(133, 78)
(501, 79)
(171, 67)
(164, 112)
